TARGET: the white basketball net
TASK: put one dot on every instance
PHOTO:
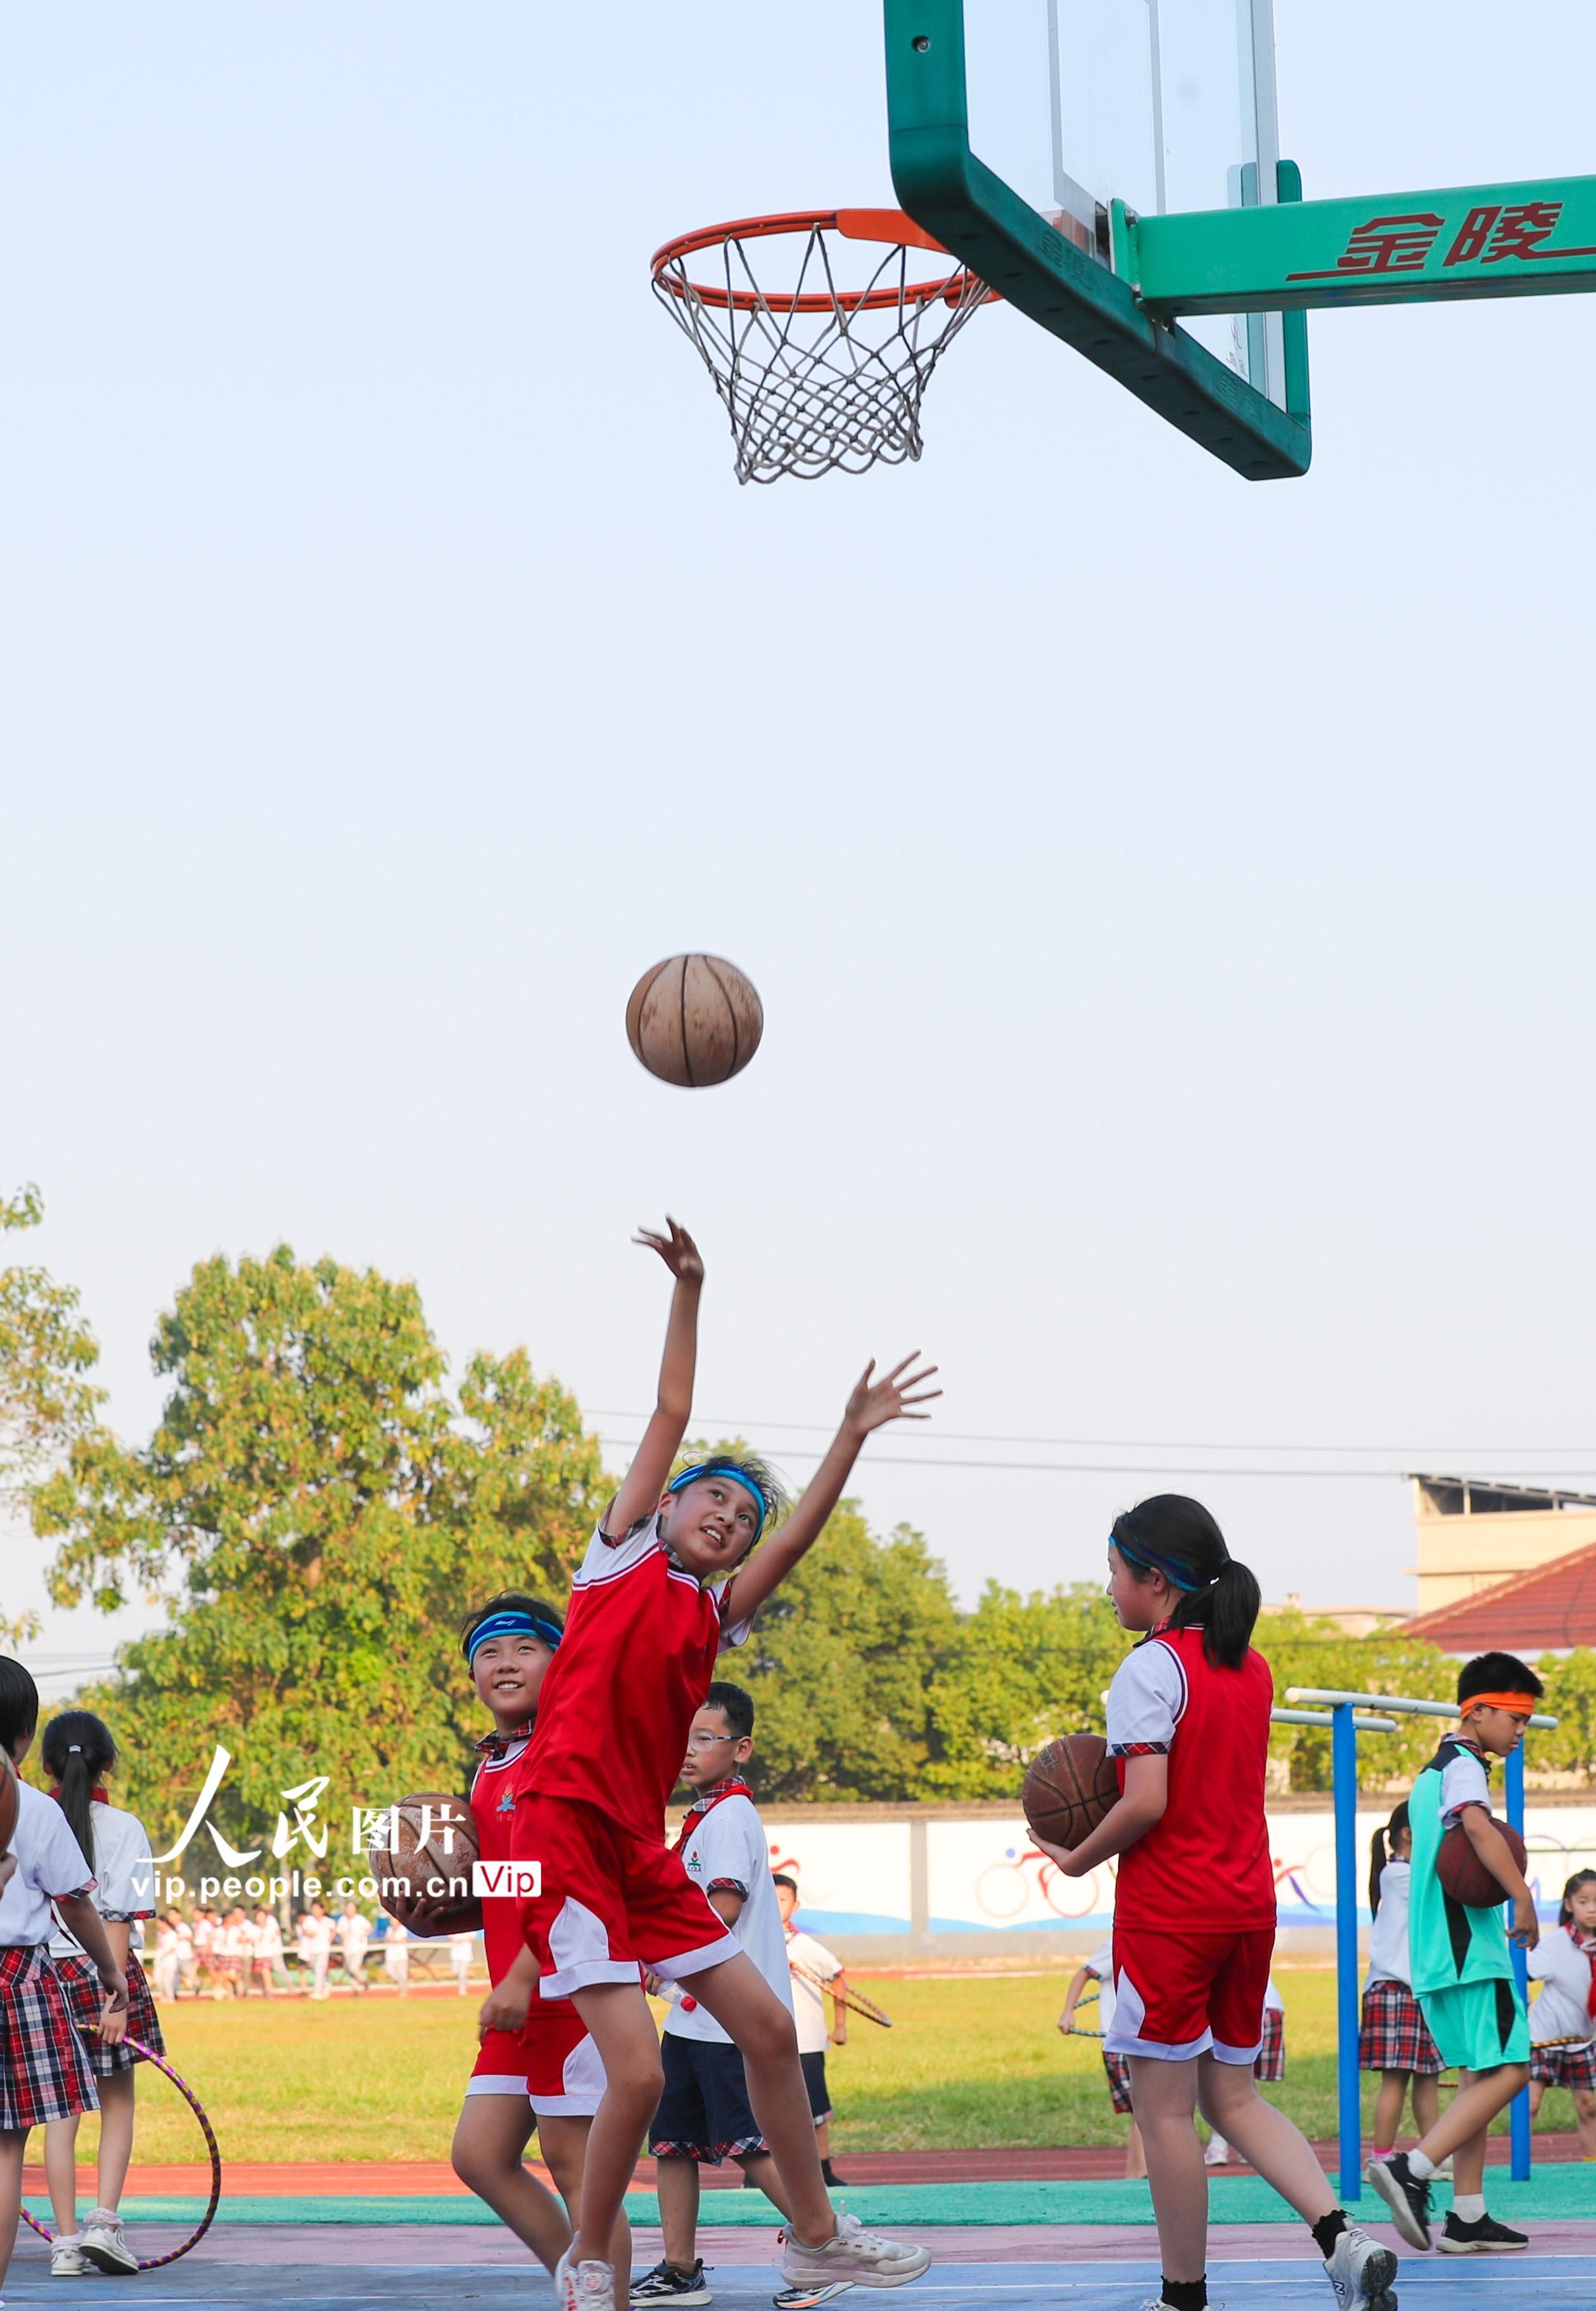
(817, 379)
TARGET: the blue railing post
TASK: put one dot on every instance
(1344, 1764)
(1518, 2121)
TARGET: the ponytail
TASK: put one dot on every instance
(77, 1749)
(1580, 1877)
(1177, 1536)
(1379, 1855)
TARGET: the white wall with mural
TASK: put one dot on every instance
(986, 1875)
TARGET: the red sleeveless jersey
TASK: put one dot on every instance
(1206, 1862)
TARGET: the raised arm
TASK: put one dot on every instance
(873, 1402)
(645, 1480)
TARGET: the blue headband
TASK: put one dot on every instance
(1178, 1576)
(513, 1625)
(733, 1469)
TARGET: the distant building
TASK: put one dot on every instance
(1352, 1620)
(1473, 1534)
(1550, 1608)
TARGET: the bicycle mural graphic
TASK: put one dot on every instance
(1003, 1889)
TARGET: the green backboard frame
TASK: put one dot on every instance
(946, 188)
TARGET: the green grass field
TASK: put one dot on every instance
(972, 2061)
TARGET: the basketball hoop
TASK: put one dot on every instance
(817, 378)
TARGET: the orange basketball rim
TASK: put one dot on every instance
(817, 375)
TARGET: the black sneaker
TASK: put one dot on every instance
(1487, 2237)
(830, 2177)
(666, 2284)
(1407, 2198)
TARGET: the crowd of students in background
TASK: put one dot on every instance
(237, 1952)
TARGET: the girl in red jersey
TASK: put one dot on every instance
(546, 2074)
(1189, 1724)
(678, 1569)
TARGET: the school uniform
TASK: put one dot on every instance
(1393, 2034)
(1565, 1965)
(124, 1895)
(809, 1964)
(704, 2113)
(45, 2072)
(1462, 1975)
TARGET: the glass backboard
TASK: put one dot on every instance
(1165, 104)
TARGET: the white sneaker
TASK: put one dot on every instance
(861, 2258)
(1217, 2153)
(1361, 2272)
(1158, 2303)
(66, 2258)
(584, 2286)
(106, 2247)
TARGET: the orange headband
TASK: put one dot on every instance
(1520, 1704)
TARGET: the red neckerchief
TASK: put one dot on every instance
(96, 1797)
(497, 1745)
(733, 1787)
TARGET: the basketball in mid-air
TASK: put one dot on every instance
(694, 1020)
(1068, 1787)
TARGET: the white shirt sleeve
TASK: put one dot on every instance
(123, 1867)
(1463, 1783)
(1102, 1963)
(724, 1849)
(803, 1949)
(1145, 1701)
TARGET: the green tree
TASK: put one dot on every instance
(46, 1352)
(1305, 1651)
(1570, 1683)
(315, 1517)
(1026, 1668)
(842, 1662)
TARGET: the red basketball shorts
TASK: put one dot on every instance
(1178, 1995)
(552, 2062)
(611, 1901)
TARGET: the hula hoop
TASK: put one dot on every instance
(854, 2000)
(154, 2262)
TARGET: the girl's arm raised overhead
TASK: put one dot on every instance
(645, 1480)
(873, 1403)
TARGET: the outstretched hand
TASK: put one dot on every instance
(874, 1402)
(676, 1248)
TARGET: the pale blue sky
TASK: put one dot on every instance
(1170, 897)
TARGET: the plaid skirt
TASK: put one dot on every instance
(1118, 2067)
(44, 2071)
(1573, 2067)
(84, 2000)
(1270, 2065)
(1395, 2035)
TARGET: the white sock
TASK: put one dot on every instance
(1420, 2167)
(1469, 2206)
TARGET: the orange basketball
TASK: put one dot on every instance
(435, 1846)
(694, 1020)
(1068, 1787)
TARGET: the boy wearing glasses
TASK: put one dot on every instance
(704, 2114)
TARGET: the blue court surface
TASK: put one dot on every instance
(341, 2271)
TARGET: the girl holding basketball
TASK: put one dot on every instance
(1189, 1727)
(78, 1754)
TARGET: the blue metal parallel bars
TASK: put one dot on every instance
(1344, 1758)
(1518, 2121)
(1349, 2117)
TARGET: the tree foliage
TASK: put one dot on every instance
(46, 1352)
(317, 1514)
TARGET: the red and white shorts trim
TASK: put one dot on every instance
(611, 1901)
(1179, 1995)
(553, 2064)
